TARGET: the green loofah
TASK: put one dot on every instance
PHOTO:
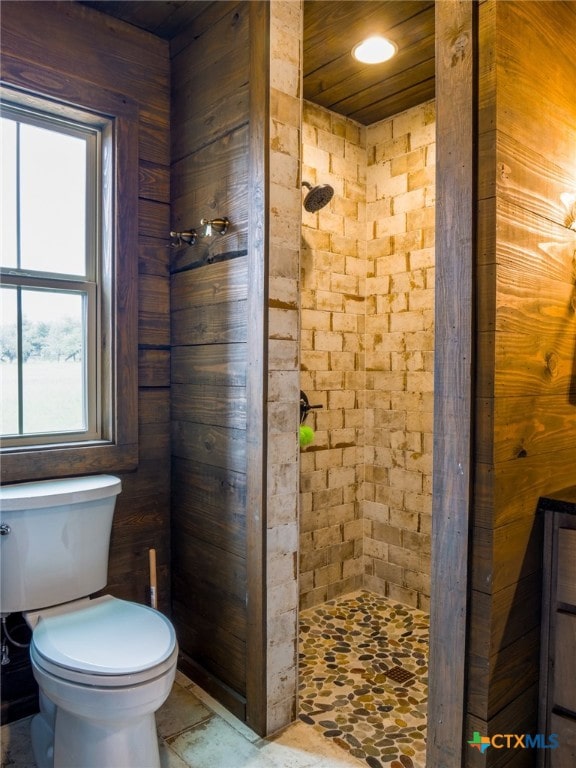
(306, 435)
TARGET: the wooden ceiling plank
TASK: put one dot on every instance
(395, 104)
(148, 16)
(336, 37)
(353, 100)
(182, 16)
(340, 81)
(164, 18)
(397, 86)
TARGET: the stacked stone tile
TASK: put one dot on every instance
(367, 335)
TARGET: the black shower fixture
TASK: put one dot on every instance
(317, 197)
(305, 406)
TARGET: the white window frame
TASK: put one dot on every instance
(88, 284)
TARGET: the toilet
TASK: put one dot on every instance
(103, 665)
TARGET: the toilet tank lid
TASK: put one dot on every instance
(51, 493)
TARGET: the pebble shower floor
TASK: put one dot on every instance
(363, 678)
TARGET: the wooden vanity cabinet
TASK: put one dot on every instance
(557, 713)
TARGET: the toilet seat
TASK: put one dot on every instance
(106, 642)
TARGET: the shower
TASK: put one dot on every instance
(317, 197)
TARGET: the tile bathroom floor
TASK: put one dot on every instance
(363, 678)
(196, 732)
(352, 715)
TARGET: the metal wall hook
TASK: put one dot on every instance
(190, 236)
(187, 237)
(219, 225)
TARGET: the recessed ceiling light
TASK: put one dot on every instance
(374, 50)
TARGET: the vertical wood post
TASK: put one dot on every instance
(452, 473)
(256, 373)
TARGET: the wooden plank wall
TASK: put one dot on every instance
(118, 58)
(525, 405)
(209, 294)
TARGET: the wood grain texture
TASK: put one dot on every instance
(523, 427)
(506, 676)
(154, 367)
(154, 310)
(213, 284)
(211, 15)
(153, 256)
(526, 342)
(211, 646)
(213, 504)
(453, 380)
(70, 28)
(518, 717)
(211, 177)
(210, 366)
(154, 144)
(504, 616)
(221, 323)
(208, 94)
(164, 18)
(510, 490)
(504, 555)
(219, 406)
(543, 70)
(211, 445)
(209, 333)
(257, 371)
(366, 93)
(154, 182)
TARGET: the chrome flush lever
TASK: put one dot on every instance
(4, 529)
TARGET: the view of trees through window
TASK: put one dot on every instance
(42, 361)
(59, 341)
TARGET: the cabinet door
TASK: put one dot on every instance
(565, 662)
(566, 590)
(564, 756)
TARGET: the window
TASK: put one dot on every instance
(68, 284)
(51, 270)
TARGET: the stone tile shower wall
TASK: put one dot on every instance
(367, 333)
(400, 355)
(283, 356)
(333, 272)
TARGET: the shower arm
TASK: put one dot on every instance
(305, 407)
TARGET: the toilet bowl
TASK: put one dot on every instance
(103, 665)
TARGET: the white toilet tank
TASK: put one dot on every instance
(55, 540)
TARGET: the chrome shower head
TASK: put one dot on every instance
(317, 197)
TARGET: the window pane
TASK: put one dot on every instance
(53, 355)
(53, 201)
(8, 241)
(8, 362)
